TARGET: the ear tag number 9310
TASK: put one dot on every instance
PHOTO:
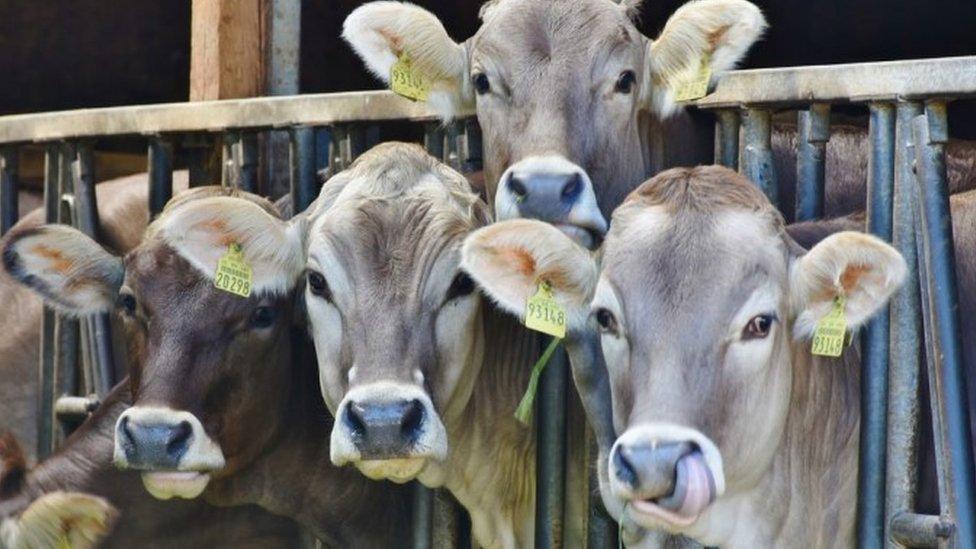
(407, 81)
(233, 274)
(830, 333)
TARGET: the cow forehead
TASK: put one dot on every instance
(546, 30)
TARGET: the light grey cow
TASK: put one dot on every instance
(730, 431)
(564, 90)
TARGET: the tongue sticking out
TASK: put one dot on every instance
(694, 489)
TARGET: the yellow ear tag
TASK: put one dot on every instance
(829, 335)
(233, 273)
(408, 82)
(543, 314)
(695, 87)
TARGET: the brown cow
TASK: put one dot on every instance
(730, 431)
(219, 406)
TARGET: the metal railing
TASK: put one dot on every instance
(908, 205)
(906, 101)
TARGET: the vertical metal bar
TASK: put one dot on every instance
(160, 174)
(727, 138)
(229, 175)
(874, 340)
(905, 329)
(200, 155)
(46, 395)
(813, 131)
(8, 188)
(302, 161)
(551, 447)
(434, 139)
(757, 155)
(99, 330)
(473, 159)
(246, 161)
(348, 142)
(66, 330)
(423, 515)
(931, 135)
(323, 142)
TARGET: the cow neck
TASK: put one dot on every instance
(296, 478)
(491, 468)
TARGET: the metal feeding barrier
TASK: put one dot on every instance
(907, 205)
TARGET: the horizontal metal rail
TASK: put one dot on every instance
(949, 77)
(215, 116)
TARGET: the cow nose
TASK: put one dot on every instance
(546, 196)
(649, 470)
(154, 445)
(383, 430)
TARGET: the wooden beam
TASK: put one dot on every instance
(227, 40)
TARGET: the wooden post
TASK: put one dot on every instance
(227, 49)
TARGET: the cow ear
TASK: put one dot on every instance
(382, 32)
(509, 259)
(59, 519)
(862, 269)
(719, 32)
(68, 269)
(204, 231)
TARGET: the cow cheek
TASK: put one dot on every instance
(327, 334)
(459, 336)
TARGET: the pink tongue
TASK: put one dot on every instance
(699, 485)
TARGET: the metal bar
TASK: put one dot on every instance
(813, 129)
(347, 143)
(99, 332)
(905, 328)
(246, 161)
(434, 139)
(931, 135)
(229, 173)
(757, 155)
(886, 81)
(874, 340)
(727, 138)
(304, 187)
(912, 530)
(160, 174)
(45, 402)
(200, 156)
(66, 330)
(422, 516)
(473, 154)
(550, 427)
(8, 188)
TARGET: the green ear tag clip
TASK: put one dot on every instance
(830, 334)
(542, 314)
(233, 274)
(406, 81)
(697, 86)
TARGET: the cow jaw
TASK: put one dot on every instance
(175, 484)
(398, 470)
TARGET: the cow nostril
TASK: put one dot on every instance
(624, 469)
(126, 430)
(573, 187)
(517, 187)
(413, 420)
(178, 439)
(354, 419)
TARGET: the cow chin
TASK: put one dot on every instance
(175, 484)
(664, 476)
(399, 470)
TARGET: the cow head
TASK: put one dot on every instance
(705, 309)
(205, 379)
(562, 89)
(396, 325)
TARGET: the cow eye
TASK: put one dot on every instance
(480, 82)
(263, 317)
(758, 327)
(127, 302)
(625, 82)
(606, 321)
(461, 286)
(318, 286)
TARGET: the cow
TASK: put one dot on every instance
(564, 90)
(724, 427)
(217, 404)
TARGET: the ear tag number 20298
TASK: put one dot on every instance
(233, 274)
(830, 334)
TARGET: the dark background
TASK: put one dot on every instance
(62, 54)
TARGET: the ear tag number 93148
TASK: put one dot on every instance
(543, 314)
(407, 81)
(233, 274)
(830, 334)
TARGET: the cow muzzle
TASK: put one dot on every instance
(171, 449)
(388, 430)
(665, 475)
(552, 189)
